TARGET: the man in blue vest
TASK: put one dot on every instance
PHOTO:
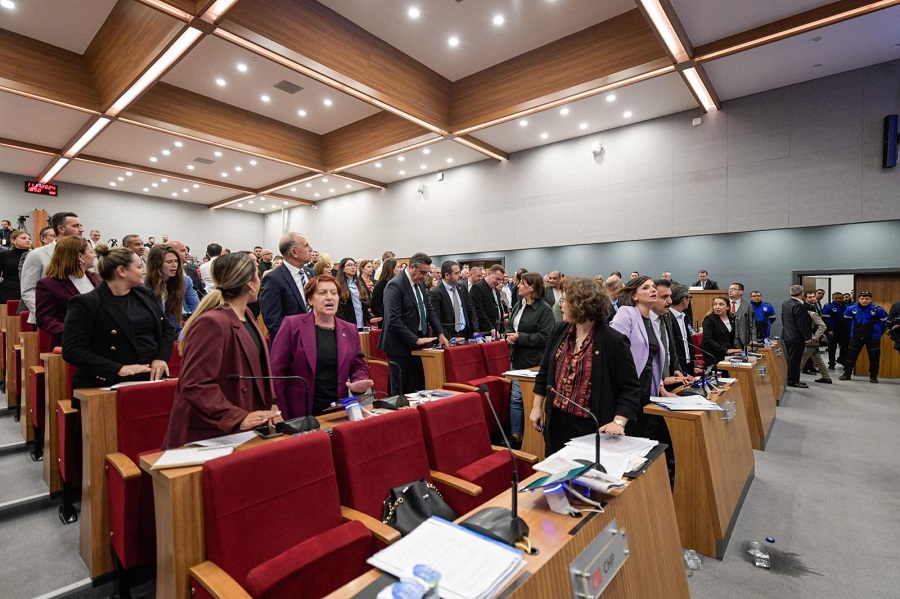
(838, 331)
(764, 314)
(866, 326)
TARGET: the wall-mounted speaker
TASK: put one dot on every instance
(891, 141)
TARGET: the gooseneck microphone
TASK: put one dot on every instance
(713, 367)
(597, 465)
(500, 523)
(301, 424)
(402, 402)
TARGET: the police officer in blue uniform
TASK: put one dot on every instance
(764, 315)
(838, 329)
(866, 326)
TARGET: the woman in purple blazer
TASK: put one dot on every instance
(322, 349)
(66, 277)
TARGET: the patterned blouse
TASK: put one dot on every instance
(573, 374)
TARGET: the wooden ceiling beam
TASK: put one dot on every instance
(371, 138)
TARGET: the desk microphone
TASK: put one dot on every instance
(597, 465)
(713, 367)
(402, 402)
(293, 426)
(500, 523)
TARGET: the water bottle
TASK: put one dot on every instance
(760, 553)
(478, 338)
(405, 589)
(691, 561)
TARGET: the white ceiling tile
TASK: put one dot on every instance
(20, 162)
(57, 124)
(68, 24)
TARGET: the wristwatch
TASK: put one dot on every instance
(620, 422)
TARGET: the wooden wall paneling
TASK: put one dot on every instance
(179, 110)
(885, 289)
(622, 44)
(130, 40)
(314, 36)
(369, 138)
(39, 70)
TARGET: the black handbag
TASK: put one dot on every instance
(409, 505)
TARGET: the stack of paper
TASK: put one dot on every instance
(232, 440)
(190, 456)
(471, 565)
(524, 372)
(618, 454)
(687, 402)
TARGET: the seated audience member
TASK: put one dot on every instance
(324, 350)
(451, 302)
(718, 331)
(208, 403)
(67, 276)
(588, 363)
(165, 279)
(20, 242)
(354, 295)
(117, 332)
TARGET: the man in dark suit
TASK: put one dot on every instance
(552, 293)
(407, 314)
(681, 328)
(451, 303)
(487, 303)
(704, 282)
(282, 291)
(796, 331)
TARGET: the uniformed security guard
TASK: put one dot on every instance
(764, 315)
(866, 326)
(838, 329)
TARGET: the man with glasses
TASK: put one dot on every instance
(681, 327)
(407, 315)
(763, 313)
(486, 299)
(744, 332)
(866, 327)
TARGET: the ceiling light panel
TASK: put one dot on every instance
(58, 124)
(215, 58)
(62, 23)
(666, 94)
(135, 145)
(435, 161)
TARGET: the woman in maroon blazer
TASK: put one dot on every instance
(322, 349)
(221, 340)
(66, 277)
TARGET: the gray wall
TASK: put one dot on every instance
(117, 214)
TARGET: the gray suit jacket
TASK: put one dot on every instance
(745, 330)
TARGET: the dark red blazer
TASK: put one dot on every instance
(294, 353)
(51, 302)
(206, 403)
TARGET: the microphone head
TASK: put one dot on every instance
(232, 377)
(483, 388)
(362, 355)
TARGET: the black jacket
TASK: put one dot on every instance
(717, 339)
(377, 303)
(615, 388)
(400, 327)
(796, 325)
(346, 312)
(685, 362)
(710, 284)
(485, 301)
(534, 333)
(98, 338)
(443, 307)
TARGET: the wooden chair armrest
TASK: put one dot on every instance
(453, 482)
(17, 347)
(217, 582)
(522, 455)
(123, 465)
(460, 387)
(36, 369)
(379, 529)
(505, 380)
(66, 406)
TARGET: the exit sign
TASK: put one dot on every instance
(44, 189)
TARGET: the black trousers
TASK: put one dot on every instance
(407, 374)
(834, 343)
(873, 348)
(794, 353)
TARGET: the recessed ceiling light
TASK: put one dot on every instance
(377, 165)
(262, 208)
(413, 13)
(426, 151)
(523, 123)
(185, 190)
(174, 194)
(611, 98)
(190, 167)
(252, 163)
(294, 189)
(453, 41)
(165, 152)
(285, 203)
(423, 166)
(324, 179)
(164, 180)
(196, 186)
(301, 112)
(317, 195)
(498, 20)
(220, 82)
(400, 158)
(238, 169)
(154, 185)
(224, 174)
(128, 173)
(309, 184)
(8, 4)
(545, 135)
(146, 189)
(250, 202)
(121, 178)
(627, 114)
(327, 102)
(112, 183)
(153, 159)
(242, 67)
(264, 98)
(218, 154)
(449, 161)
(817, 65)
(582, 126)
(240, 205)
(564, 111)
(178, 144)
(402, 172)
(348, 186)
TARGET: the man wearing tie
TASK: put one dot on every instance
(451, 303)
(704, 282)
(744, 317)
(797, 329)
(407, 315)
(681, 328)
(486, 300)
(282, 290)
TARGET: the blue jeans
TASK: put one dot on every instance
(516, 409)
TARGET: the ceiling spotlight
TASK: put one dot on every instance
(402, 173)
(262, 208)
(348, 186)
(309, 184)
(174, 194)
(564, 111)
(252, 163)
(128, 173)
(178, 144)
(331, 190)
(190, 167)
(317, 195)
(611, 98)
(185, 190)
(582, 126)
(112, 183)
(324, 179)
(196, 186)
(327, 102)
(523, 123)
(238, 169)
(627, 114)
(545, 135)
(294, 189)
(224, 174)
(220, 82)
(250, 202)
(817, 65)
(240, 205)
(146, 189)
(154, 185)
(301, 112)
(8, 4)
(815, 39)
(121, 178)
(400, 158)
(166, 152)
(218, 154)
(153, 159)
(453, 41)
(498, 20)
(413, 13)
(264, 98)
(164, 180)
(449, 161)
(377, 165)
(423, 166)
(285, 203)
(426, 151)
(242, 67)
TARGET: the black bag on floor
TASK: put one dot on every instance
(409, 505)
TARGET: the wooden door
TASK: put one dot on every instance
(885, 289)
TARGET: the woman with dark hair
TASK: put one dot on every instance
(636, 300)
(587, 367)
(530, 323)
(20, 244)
(718, 330)
(117, 333)
(389, 270)
(325, 351)
(366, 272)
(221, 340)
(165, 278)
(354, 307)
(67, 276)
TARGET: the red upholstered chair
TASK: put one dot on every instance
(697, 340)
(175, 362)
(458, 443)
(274, 525)
(465, 369)
(142, 417)
(375, 455)
(378, 371)
(374, 336)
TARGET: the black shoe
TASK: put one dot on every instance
(515, 442)
(873, 379)
(845, 377)
(798, 385)
(36, 456)
(831, 367)
(824, 380)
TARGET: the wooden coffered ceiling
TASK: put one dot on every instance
(301, 100)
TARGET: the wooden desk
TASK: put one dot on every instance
(701, 303)
(55, 389)
(714, 467)
(759, 401)
(28, 342)
(99, 436)
(12, 338)
(364, 342)
(644, 509)
(778, 369)
(433, 364)
(532, 441)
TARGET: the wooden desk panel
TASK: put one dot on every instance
(714, 467)
(701, 303)
(54, 391)
(3, 349)
(532, 441)
(433, 364)
(778, 369)
(364, 342)
(759, 401)
(12, 337)
(29, 357)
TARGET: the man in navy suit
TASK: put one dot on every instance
(407, 315)
(451, 303)
(282, 290)
(796, 330)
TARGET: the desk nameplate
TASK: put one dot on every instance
(598, 564)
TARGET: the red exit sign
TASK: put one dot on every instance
(44, 189)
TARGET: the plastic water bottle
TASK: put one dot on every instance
(691, 561)
(760, 553)
(478, 338)
(405, 589)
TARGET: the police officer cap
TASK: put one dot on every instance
(865, 294)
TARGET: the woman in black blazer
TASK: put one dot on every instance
(9, 265)
(354, 293)
(388, 271)
(117, 333)
(718, 331)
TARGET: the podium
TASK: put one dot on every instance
(755, 382)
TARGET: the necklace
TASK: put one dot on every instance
(318, 326)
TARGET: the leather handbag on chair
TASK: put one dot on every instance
(409, 505)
